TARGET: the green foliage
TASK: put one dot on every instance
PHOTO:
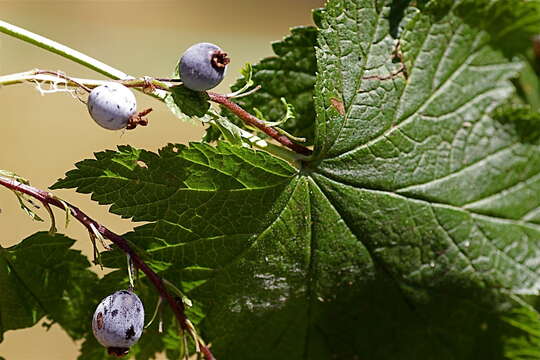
(525, 343)
(413, 231)
(184, 102)
(520, 120)
(509, 24)
(528, 86)
(42, 276)
(179, 190)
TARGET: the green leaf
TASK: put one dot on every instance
(143, 185)
(42, 276)
(510, 24)
(227, 129)
(413, 232)
(290, 75)
(529, 87)
(522, 343)
(185, 102)
(442, 195)
(522, 119)
(528, 84)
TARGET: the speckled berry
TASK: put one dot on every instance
(118, 322)
(202, 66)
(112, 105)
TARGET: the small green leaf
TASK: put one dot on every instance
(228, 130)
(247, 74)
(185, 102)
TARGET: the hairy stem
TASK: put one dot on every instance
(48, 199)
(253, 121)
(62, 76)
(45, 77)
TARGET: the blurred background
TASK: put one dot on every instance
(41, 137)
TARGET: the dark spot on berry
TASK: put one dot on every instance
(99, 321)
(105, 310)
(124, 292)
(130, 332)
(117, 351)
(138, 309)
(114, 313)
(118, 106)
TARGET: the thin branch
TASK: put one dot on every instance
(49, 199)
(62, 50)
(45, 77)
(253, 121)
(149, 86)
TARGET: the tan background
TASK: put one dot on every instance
(42, 137)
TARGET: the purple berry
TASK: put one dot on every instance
(202, 66)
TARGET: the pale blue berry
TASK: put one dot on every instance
(202, 66)
(112, 105)
(118, 321)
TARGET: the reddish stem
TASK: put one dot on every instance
(47, 198)
(252, 120)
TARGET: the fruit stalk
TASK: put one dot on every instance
(47, 198)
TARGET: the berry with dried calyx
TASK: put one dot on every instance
(112, 106)
(203, 66)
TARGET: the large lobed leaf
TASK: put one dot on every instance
(412, 233)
